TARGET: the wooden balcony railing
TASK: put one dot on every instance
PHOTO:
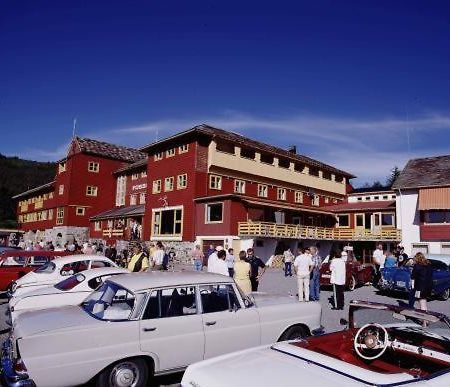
(112, 233)
(294, 231)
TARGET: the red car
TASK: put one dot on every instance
(16, 263)
(357, 274)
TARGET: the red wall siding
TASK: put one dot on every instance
(135, 187)
(435, 232)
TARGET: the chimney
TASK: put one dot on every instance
(292, 149)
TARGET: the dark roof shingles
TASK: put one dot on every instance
(111, 151)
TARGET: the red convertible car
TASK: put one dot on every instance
(357, 274)
(16, 263)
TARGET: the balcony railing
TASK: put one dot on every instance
(112, 232)
(294, 231)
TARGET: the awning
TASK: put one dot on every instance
(121, 212)
(434, 198)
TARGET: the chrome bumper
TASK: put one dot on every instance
(9, 377)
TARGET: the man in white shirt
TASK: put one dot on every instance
(378, 259)
(212, 260)
(338, 269)
(288, 258)
(220, 266)
(158, 256)
(303, 265)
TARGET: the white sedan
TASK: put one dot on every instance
(70, 291)
(56, 270)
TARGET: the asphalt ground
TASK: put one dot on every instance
(274, 281)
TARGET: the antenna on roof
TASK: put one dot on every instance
(74, 127)
(157, 132)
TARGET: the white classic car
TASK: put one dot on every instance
(384, 345)
(70, 291)
(143, 324)
(56, 270)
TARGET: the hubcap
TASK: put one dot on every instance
(124, 375)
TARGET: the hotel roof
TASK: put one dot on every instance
(111, 151)
(43, 187)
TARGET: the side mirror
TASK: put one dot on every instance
(343, 321)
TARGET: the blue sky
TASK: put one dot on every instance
(362, 85)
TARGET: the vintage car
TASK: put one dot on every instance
(14, 264)
(142, 324)
(357, 274)
(70, 291)
(56, 270)
(384, 345)
(399, 278)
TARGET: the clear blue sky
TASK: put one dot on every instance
(363, 85)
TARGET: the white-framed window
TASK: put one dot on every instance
(167, 222)
(343, 220)
(61, 189)
(121, 190)
(359, 199)
(170, 152)
(239, 186)
(158, 156)
(388, 219)
(60, 215)
(315, 200)
(298, 197)
(183, 148)
(214, 212)
(168, 183)
(156, 186)
(182, 181)
(50, 214)
(62, 167)
(50, 195)
(263, 190)
(44, 215)
(326, 200)
(80, 211)
(144, 174)
(281, 193)
(91, 190)
(133, 200)
(215, 182)
(419, 248)
(93, 166)
(445, 248)
(142, 198)
(98, 225)
(135, 176)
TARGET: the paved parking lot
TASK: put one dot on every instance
(274, 281)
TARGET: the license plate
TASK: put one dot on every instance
(326, 275)
(401, 284)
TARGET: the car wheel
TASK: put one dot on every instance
(445, 295)
(352, 283)
(294, 333)
(125, 373)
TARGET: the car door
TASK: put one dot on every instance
(171, 327)
(229, 326)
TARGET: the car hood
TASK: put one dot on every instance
(266, 299)
(52, 319)
(31, 277)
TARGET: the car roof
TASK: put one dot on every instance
(33, 253)
(440, 257)
(80, 257)
(99, 271)
(153, 279)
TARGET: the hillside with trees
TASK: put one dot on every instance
(16, 176)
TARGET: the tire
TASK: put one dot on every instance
(445, 295)
(294, 333)
(352, 284)
(125, 373)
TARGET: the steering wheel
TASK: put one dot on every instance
(371, 341)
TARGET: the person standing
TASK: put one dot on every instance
(230, 262)
(139, 260)
(378, 260)
(220, 266)
(242, 273)
(314, 284)
(422, 275)
(303, 265)
(197, 257)
(158, 256)
(288, 257)
(212, 260)
(255, 264)
(338, 268)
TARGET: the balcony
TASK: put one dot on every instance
(113, 232)
(294, 231)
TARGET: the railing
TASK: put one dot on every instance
(295, 231)
(112, 232)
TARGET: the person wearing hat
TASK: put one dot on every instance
(139, 260)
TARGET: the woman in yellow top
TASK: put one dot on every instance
(242, 273)
(139, 260)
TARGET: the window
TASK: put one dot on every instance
(171, 302)
(168, 184)
(80, 211)
(388, 220)
(437, 216)
(343, 220)
(359, 199)
(262, 190)
(367, 198)
(283, 163)
(156, 186)
(218, 298)
(385, 197)
(239, 186)
(135, 176)
(326, 200)
(248, 153)
(315, 201)
(376, 198)
(392, 196)
(99, 264)
(266, 158)
(60, 215)
(214, 213)
(133, 200)
(61, 189)
(215, 182)
(281, 193)
(445, 248)
(183, 148)
(144, 174)
(50, 195)
(91, 190)
(167, 222)
(298, 197)
(170, 152)
(50, 214)
(359, 220)
(61, 167)
(225, 146)
(182, 181)
(158, 156)
(419, 248)
(142, 198)
(97, 225)
(93, 166)
(121, 191)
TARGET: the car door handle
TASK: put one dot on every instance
(149, 329)
(210, 323)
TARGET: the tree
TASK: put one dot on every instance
(395, 172)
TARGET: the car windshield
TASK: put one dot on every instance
(48, 267)
(71, 282)
(111, 302)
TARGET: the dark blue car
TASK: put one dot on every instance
(399, 278)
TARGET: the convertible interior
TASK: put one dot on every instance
(407, 348)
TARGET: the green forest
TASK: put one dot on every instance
(16, 176)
